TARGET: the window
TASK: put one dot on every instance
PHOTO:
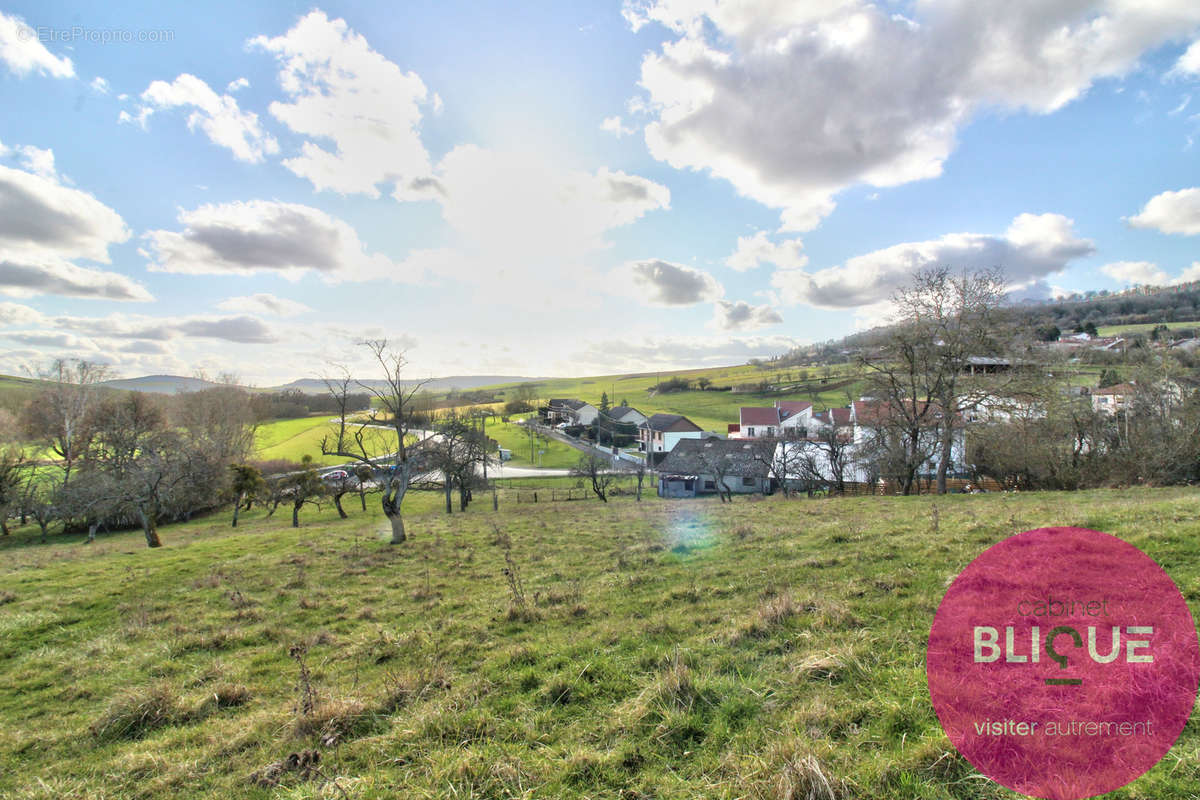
(747, 481)
(710, 485)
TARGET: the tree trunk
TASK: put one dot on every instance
(4, 526)
(447, 485)
(362, 495)
(237, 506)
(397, 521)
(296, 514)
(337, 501)
(92, 526)
(947, 450)
(150, 528)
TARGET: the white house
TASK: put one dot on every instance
(661, 432)
(787, 418)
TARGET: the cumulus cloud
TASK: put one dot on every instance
(742, 316)
(662, 283)
(240, 329)
(21, 51)
(616, 127)
(99, 85)
(758, 249)
(1188, 65)
(17, 314)
(1171, 212)
(793, 102)
(264, 303)
(346, 93)
(66, 279)
(236, 85)
(218, 116)
(266, 236)
(1136, 273)
(45, 226)
(1033, 247)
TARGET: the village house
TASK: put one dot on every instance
(786, 419)
(626, 415)
(571, 411)
(661, 432)
(697, 466)
(1111, 399)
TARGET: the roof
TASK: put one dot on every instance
(567, 402)
(874, 412)
(788, 408)
(621, 412)
(757, 415)
(1118, 388)
(740, 457)
(839, 416)
(671, 422)
(988, 361)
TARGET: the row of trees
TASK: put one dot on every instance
(120, 458)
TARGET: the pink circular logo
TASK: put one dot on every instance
(1063, 663)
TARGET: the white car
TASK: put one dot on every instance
(335, 476)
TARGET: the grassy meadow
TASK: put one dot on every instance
(666, 649)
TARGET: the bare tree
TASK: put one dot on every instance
(12, 483)
(952, 317)
(595, 469)
(61, 415)
(387, 456)
(459, 449)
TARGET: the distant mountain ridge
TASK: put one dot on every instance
(174, 384)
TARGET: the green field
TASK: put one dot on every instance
(667, 649)
(292, 439)
(1145, 327)
(516, 438)
(711, 410)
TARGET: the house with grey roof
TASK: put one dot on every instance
(705, 466)
(661, 432)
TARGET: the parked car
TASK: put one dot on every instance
(335, 476)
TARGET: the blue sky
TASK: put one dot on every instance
(555, 188)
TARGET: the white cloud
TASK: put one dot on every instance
(661, 283)
(758, 249)
(1137, 273)
(38, 161)
(1189, 274)
(99, 85)
(741, 316)
(1171, 212)
(17, 314)
(235, 85)
(45, 226)
(217, 115)
(241, 329)
(264, 304)
(1033, 247)
(1188, 65)
(616, 127)
(794, 102)
(345, 93)
(268, 236)
(23, 53)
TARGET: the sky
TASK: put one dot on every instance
(555, 188)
